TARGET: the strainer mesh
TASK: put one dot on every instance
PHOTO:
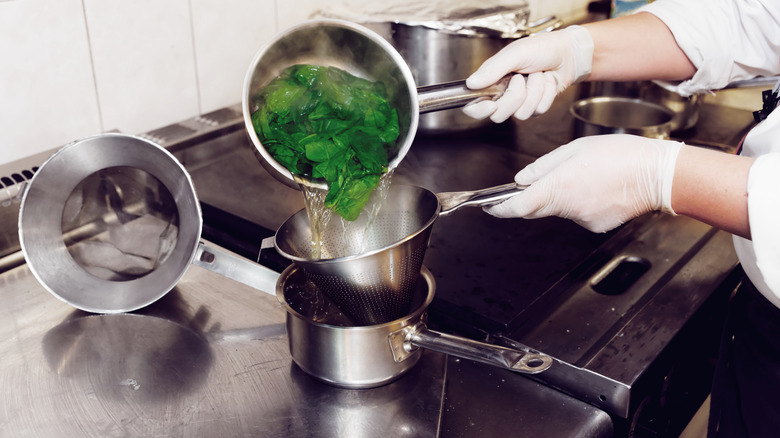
(368, 270)
(374, 296)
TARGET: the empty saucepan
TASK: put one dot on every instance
(363, 53)
(110, 224)
(324, 344)
(621, 115)
(369, 267)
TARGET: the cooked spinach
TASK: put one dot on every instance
(322, 122)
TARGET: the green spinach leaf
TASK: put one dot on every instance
(322, 122)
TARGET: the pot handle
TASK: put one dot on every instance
(527, 362)
(451, 201)
(237, 268)
(456, 94)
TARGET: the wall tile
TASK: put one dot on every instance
(227, 34)
(72, 68)
(47, 91)
(292, 12)
(144, 62)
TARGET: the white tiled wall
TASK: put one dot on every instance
(73, 68)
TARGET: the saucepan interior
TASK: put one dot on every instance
(110, 223)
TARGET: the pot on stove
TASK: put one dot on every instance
(325, 345)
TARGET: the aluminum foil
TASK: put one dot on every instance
(492, 18)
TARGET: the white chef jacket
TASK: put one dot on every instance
(728, 40)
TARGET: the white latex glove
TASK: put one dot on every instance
(599, 182)
(553, 61)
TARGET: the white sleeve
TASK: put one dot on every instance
(726, 40)
(763, 212)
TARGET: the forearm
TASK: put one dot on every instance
(636, 47)
(712, 187)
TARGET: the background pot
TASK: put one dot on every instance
(621, 115)
(685, 110)
(438, 56)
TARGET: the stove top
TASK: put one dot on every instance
(605, 306)
(610, 308)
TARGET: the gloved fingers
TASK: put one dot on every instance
(513, 98)
(549, 92)
(546, 164)
(497, 66)
(541, 200)
(523, 204)
(534, 91)
(480, 110)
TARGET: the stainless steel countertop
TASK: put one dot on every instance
(211, 359)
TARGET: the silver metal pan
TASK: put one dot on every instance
(325, 345)
(110, 224)
(363, 53)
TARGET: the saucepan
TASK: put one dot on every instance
(369, 267)
(110, 223)
(363, 53)
(621, 115)
(684, 111)
(449, 49)
(325, 345)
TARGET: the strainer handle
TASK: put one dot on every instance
(527, 362)
(451, 201)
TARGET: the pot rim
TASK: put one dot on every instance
(302, 212)
(600, 99)
(40, 229)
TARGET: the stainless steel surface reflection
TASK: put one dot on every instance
(208, 359)
(100, 350)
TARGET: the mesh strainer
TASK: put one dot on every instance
(370, 270)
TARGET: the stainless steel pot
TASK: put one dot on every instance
(437, 56)
(685, 110)
(110, 224)
(361, 52)
(621, 115)
(324, 345)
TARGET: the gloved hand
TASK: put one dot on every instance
(599, 182)
(553, 61)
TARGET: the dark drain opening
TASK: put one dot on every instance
(624, 272)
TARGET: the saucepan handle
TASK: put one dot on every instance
(527, 362)
(455, 94)
(236, 268)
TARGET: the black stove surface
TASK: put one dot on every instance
(489, 270)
